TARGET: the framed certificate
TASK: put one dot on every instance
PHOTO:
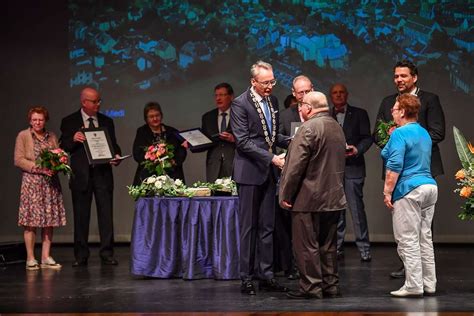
(196, 139)
(98, 146)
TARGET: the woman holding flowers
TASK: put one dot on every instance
(411, 193)
(41, 201)
(156, 143)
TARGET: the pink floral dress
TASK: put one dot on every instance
(41, 199)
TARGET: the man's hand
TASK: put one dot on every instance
(279, 160)
(185, 144)
(228, 137)
(79, 137)
(351, 151)
(286, 205)
(116, 161)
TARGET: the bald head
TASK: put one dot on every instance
(339, 94)
(301, 86)
(90, 101)
(316, 99)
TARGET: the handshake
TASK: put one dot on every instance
(279, 160)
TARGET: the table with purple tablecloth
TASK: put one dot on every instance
(189, 238)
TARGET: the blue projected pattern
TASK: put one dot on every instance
(148, 42)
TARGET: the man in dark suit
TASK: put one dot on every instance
(356, 126)
(430, 116)
(301, 86)
(283, 251)
(216, 124)
(90, 180)
(315, 162)
(254, 123)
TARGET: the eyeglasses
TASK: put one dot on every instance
(98, 101)
(394, 109)
(300, 93)
(304, 103)
(269, 83)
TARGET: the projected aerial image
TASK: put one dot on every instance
(142, 44)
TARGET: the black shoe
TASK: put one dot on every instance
(79, 263)
(271, 285)
(109, 261)
(334, 294)
(292, 274)
(298, 295)
(248, 288)
(340, 255)
(365, 257)
(399, 274)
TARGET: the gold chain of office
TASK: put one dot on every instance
(269, 140)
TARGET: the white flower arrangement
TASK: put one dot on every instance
(159, 186)
(226, 185)
(165, 186)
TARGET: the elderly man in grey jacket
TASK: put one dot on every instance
(312, 188)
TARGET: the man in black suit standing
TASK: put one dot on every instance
(430, 116)
(90, 180)
(301, 86)
(216, 124)
(254, 123)
(356, 126)
(283, 250)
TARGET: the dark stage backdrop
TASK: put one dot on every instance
(175, 52)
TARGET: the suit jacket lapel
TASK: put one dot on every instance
(347, 119)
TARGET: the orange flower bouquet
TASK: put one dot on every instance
(159, 158)
(465, 176)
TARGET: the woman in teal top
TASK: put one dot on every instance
(411, 193)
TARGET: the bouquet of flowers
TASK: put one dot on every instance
(159, 158)
(465, 176)
(223, 185)
(158, 186)
(55, 160)
(384, 130)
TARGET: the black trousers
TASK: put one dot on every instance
(81, 203)
(256, 222)
(282, 248)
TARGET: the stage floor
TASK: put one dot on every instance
(98, 289)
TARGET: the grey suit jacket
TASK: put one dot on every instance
(313, 177)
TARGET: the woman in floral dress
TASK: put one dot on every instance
(41, 201)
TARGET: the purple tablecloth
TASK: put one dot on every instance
(189, 238)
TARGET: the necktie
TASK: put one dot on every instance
(91, 122)
(268, 117)
(223, 122)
